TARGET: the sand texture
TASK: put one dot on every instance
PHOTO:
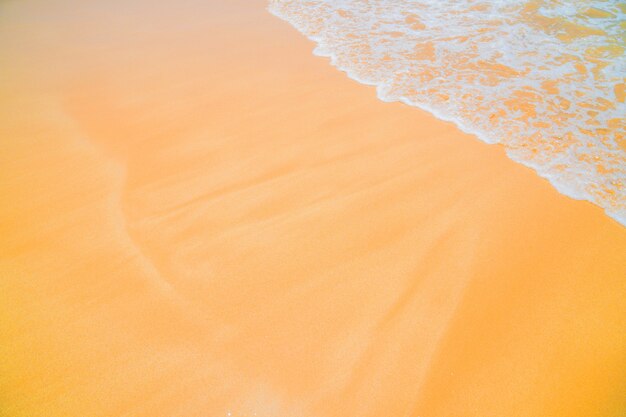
(199, 217)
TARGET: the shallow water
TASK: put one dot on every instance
(546, 79)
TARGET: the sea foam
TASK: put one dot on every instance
(546, 79)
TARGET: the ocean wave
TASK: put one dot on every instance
(546, 79)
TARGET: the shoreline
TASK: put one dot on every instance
(568, 190)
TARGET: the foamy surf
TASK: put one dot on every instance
(546, 79)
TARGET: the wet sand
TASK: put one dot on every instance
(200, 218)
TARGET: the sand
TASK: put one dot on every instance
(200, 218)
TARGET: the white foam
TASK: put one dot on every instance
(465, 63)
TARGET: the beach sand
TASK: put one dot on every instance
(200, 218)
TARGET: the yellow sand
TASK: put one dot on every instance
(200, 218)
